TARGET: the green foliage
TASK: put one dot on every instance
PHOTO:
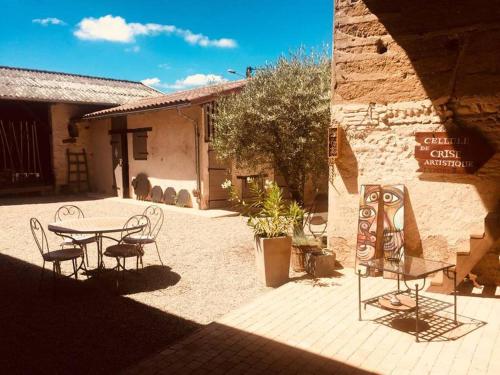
(268, 214)
(280, 119)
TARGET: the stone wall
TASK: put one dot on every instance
(401, 67)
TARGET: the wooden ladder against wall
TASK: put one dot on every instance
(78, 175)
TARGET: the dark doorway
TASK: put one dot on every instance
(25, 146)
(119, 150)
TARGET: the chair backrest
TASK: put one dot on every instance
(68, 211)
(39, 236)
(132, 226)
(156, 217)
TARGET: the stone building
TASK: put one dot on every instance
(403, 68)
(36, 108)
(166, 139)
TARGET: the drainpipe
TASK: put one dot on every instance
(197, 151)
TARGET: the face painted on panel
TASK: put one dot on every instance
(393, 218)
(367, 229)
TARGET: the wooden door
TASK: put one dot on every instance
(119, 150)
(218, 172)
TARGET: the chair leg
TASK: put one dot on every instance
(123, 272)
(158, 252)
(137, 263)
(75, 271)
(86, 253)
(82, 265)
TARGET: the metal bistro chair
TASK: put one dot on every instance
(315, 219)
(124, 250)
(74, 212)
(155, 215)
(55, 256)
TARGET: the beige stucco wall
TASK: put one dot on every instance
(171, 149)
(61, 114)
(100, 161)
(430, 75)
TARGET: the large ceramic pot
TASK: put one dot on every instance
(272, 259)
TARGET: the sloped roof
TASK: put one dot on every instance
(39, 85)
(193, 96)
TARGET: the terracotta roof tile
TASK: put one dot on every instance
(198, 95)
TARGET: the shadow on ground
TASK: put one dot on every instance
(84, 327)
(221, 349)
(44, 199)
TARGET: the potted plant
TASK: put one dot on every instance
(302, 245)
(272, 220)
(320, 263)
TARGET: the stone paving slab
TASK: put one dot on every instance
(312, 327)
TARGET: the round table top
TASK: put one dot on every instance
(407, 303)
(93, 225)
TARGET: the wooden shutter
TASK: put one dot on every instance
(140, 145)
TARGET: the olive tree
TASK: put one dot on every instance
(280, 119)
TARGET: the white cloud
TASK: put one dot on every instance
(117, 29)
(151, 81)
(191, 81)
(164, 66)
(49, 21)
(197, 80)
(133, 49)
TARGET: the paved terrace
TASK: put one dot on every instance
(312, 327)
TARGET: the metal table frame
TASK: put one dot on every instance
(447, 270)
(100, 234)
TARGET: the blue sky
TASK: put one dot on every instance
(175, 44)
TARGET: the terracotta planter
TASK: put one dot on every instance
(272, 259)
(299, 256)
(320, 264)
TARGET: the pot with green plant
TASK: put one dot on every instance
(272, 220)
(303, 244)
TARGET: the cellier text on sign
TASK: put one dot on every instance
(459, 151)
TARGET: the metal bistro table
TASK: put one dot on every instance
(407, 301)
(98, 226)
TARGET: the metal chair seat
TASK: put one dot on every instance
(63, 254)
(124, 250)
(317, 220)
(138, 239)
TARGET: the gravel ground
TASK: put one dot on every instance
(91, 327)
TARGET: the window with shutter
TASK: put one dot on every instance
(140, 145)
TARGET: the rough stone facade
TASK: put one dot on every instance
(401, 67)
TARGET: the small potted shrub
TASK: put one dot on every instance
(320, 263)
(272, 220)
(302, 245)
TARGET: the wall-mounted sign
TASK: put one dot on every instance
(452, 152)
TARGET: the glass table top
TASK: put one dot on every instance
(407, 266)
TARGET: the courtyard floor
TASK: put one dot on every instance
(204, 313)
(312, 327)
(87, 326)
